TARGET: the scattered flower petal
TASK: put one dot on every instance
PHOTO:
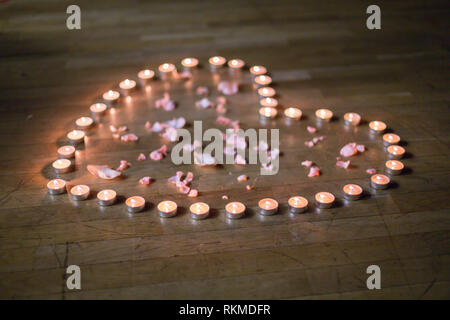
(228, 88)
(343, 164)
(307, 163)
(202, 91)
(242, 177)
(103, 171)
(145, 180)
(311, 129)
(141, 157)
(314, 172)
(349, 150)
(129, 137)
(371, 171)
(124, 164)
(193, 193)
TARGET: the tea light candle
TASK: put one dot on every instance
(324, 114)
(236, 64)
(390, 138)
(216, 62)
(62, 165)
(379, 181)
(262, 80)
(258, 70)
(76, 136)
(267, 206)
(111, 97)
(352, 118)
(66, 152)
(189, 63)
(394, 167)
(267, 113)
(167, 209)
(297, 204)
(56, 186)
(135, 204)
(145, 76)
(395, 152)
(199, 210)
(106, 197)
(377, 127)
(352, 192)
(80, 192)
(166, 70)
(235, 210)
(84, 123)
(268, 102)
(293, 113)
(98, 109)
(324, 200)
(266, 92)
(127, 85)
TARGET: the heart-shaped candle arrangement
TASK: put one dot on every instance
(269, 111)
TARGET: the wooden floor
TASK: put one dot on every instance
(320, 54)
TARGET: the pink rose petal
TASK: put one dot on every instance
(311, 129)
(343, 164)
(193, 193)
(242, 178)
(145, 180)
(124, 164)
(129, 137)
(314, 172)
(103, 171)
(348, 150)
(371, 171)
(307, 163)
(141, 157)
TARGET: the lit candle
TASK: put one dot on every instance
(235, 210)
(379, 181)
(216, 62)
(145, 76)
(98, 109)
(394, 167)
(268, 102)
(106, 197)
(166, 70)
(111, 97)
(352, 118)
(352, 192)
(390, 138)
(84, 123)
(126, 86)
(268, 113)
(293, 113)
(189, 63)
(236, 64)
(62, 165)
(395, 152)
(377, 126)
(76, 136)
(199, 210)
(265, 92)
(324, 200)
(262, 81)
(258, 70)
(297, 204)
(267, 206)
(56, 186)
(135, 204)
(167, 209)
(324, 114)
(80, 192)
(66, 152)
